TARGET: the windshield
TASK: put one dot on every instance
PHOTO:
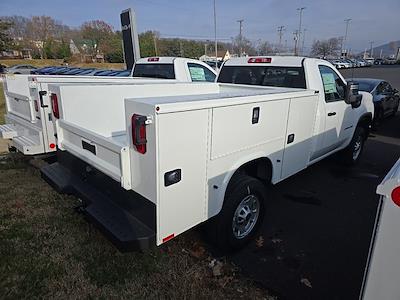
(292, 77)
(165, 71)
(365, 86)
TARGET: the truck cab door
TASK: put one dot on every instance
(338, 115)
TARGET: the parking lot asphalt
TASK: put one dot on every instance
(315, 238)
(390, 73)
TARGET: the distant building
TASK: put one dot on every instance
(222, 55)
(73, 48)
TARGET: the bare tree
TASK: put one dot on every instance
(41, 28)
(264, 48)
(18, 26)
(5, 40)
(326, 48)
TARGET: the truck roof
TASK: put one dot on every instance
(164, 60)
(289, 61)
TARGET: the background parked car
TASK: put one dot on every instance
(386, 98)
(20, 69)
(2, 69)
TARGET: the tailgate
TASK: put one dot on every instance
(107, 154)
(17, 95)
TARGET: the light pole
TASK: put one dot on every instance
(300, 10)
(240, 36)
(371, 53)
(345, 36)
(215, 36)
(304, 37)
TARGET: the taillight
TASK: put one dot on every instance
(396, 196)
(153, 59)
(139, 133)
(36, 105)
(54, 105)
(259, 60)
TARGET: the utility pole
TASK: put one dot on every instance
(240, 36)
(205, 49)
(215, 35)
(181, 48)
(345, 36)
(281, 29)
(304, 37)
(155, 44)
(300, 10)
(371, 53)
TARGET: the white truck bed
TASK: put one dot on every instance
(92, 121)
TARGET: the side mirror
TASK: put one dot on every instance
(352, 95)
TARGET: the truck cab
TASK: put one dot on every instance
(178, 68)
(336, 118)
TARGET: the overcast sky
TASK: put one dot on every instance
(376, 21)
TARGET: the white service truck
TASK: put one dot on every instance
(381, 279)
(189, 153)
(28, 105)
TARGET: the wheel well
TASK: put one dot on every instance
(260, 168)
(365, 122)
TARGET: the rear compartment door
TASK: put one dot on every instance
(182, 148)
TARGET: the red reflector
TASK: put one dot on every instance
(166, 239)
(54, 105)
(36, 105)
(153, 59)
(259, 60)
(52, 146)
(396, 196)
(139, 133)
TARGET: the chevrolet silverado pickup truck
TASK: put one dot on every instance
(29, 119)
(177, 155)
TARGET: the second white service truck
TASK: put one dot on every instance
(169, 161)
(29, 119)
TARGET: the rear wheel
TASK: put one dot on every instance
(241, 214)
(352, 153)
(395, 110)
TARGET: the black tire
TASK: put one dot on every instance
(221, 229)
(352, 153)
(395, 110)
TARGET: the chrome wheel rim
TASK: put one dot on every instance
(357, 148)
(245, 216)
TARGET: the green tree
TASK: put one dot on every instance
(149, 41)
(63, 50)
(48, 49)
(5, 40)
(97, 32)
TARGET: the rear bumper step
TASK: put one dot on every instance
(125, 228)
(8, 131)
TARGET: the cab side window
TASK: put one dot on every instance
(334, 87)
(380, 89)
(200, 73)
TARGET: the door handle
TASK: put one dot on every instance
(331, 114)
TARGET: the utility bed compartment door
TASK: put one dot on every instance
(18, 98)
(182, 147)
(299, 135)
